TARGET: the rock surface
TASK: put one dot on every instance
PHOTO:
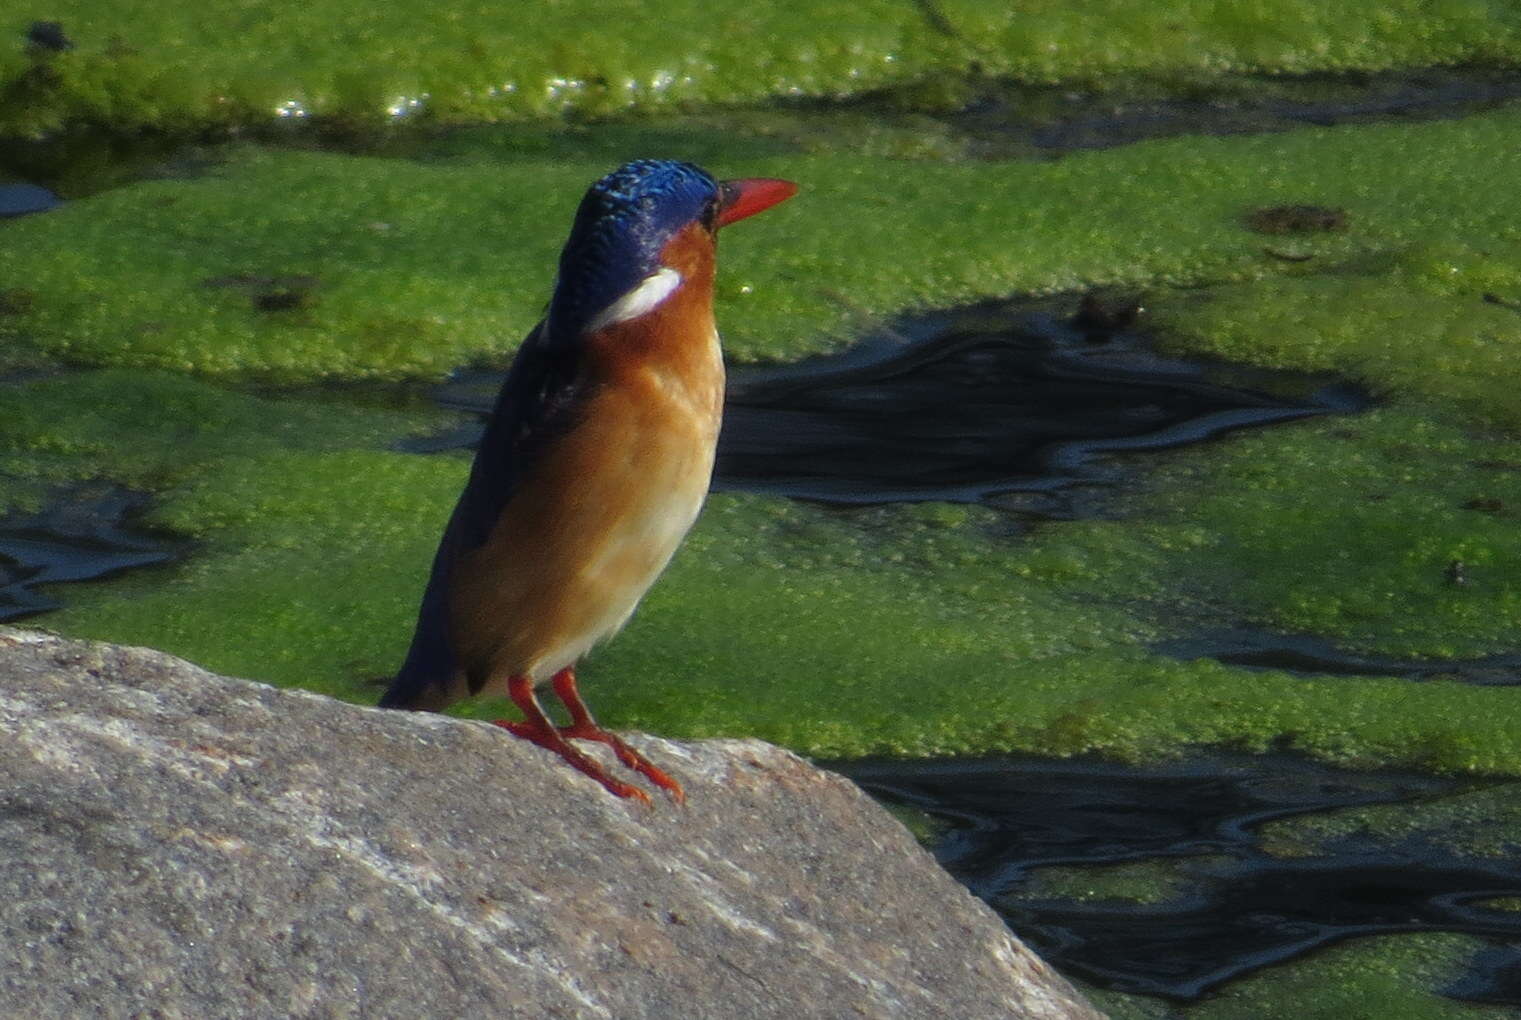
(174, 843)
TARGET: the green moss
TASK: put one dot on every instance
(419, 266)
(1345, 529)
(1140, 882)
(1440, 319)
(155, 430)
(1401, 976)
(144, 64)
(914, 631)
(924, 827)
(1472, 824)
(1369, 979)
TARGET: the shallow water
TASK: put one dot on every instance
(1029, 406)
(1004, 120)
(1239, 908)
(1028, 399)
(1015, 397)
(84, 536)
(1306, 653)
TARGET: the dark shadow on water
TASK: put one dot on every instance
(81, 537)
(991, 119)
(20, 199)
(1243, 909)
(1009, 119)
(1014, 397)
(1494, 977)
(1311, 655)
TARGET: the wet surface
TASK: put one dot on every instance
(1003, 120)
(1307, 654)
(1017, 397)
(81, 161)
(994, 120)
(1494, 977)
(1024, 400)
(81, 538)
(22, 199)
(1241, 909)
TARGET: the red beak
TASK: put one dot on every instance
(751, 195)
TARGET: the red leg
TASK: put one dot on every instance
(584, 727)
(537, 728)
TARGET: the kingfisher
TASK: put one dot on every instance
(595, 463)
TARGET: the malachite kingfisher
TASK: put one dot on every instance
(595, 463)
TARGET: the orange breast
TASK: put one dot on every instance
(600, 514)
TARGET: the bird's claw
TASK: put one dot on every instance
(557, 739)
(628, 757)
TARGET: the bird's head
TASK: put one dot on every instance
(640, 232)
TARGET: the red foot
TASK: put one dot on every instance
(630, 758)
(584, 727)
(550, 738)
(537, 728)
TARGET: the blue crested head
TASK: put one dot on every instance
(624, 221)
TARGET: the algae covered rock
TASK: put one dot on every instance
(135, 64)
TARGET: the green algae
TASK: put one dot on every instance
(1347, 529)
(926, 829)
(1368, 979)
(1471, 825)
(1439, 319)
(910, 630)
(1341, 529)
(1397, 976)
(931, 629)
(155, 430)
(1139, 882)
(139, 64)
(397, 284)
(419, 265)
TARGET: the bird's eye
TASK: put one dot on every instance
(710, 214)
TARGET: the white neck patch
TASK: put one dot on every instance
(652, 290)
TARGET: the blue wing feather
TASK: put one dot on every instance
(534, 404)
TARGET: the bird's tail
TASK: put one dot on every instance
(418, 693)
(429, 678)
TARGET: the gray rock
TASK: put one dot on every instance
(178, 844)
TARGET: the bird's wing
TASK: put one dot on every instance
(536, 403)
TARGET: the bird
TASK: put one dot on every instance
(594, 465)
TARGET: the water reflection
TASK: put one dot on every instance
(81, 537)
(1030, 397)
(1243, 908)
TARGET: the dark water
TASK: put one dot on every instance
(1008, 119)
(25, 199)
(83, 537)
(1494, 977)
(1243, 909)
(997, 120)
(1306, 653)
(1044, 401)
(1014, 397)
(1017, 397)
(1031, 398)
